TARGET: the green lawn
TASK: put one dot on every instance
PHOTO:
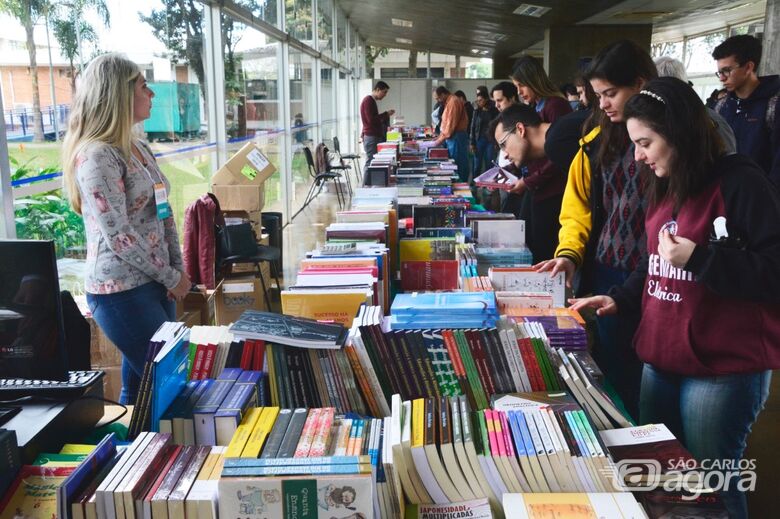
(39, 155)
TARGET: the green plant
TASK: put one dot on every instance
(24, 169)
(48, 216)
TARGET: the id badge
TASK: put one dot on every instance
(161, 201)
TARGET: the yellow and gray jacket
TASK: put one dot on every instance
(580, 221)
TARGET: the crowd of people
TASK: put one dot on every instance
(662, 214)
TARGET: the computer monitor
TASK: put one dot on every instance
(32, 333)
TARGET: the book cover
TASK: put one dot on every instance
(533, 505)
(289, 330)
(34, 492)
(429, 275)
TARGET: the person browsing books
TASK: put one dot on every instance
(454, 125)
(542, 183)
(709, 284)
(603, 210)
(523, 136)
(134, 268)
(374, 123)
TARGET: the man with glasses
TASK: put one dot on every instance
(546, 150)
(752, 102)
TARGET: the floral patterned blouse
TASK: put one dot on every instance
(127, 245)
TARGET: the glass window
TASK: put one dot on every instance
(252, 96)
(352, 61)
(341, 36)
(325, 26)
(304, 124)
(754, 28)
(167, 45)
(266, 10)
(298, 19)
(328, 104)
(698, 52)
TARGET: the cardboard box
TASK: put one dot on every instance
(202, 302)
(239, 198)
(112, 382)
(103, 353)
(238, 185)
(249, 268)
(234, 296)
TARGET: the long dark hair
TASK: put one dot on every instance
(622, 64)
(671, 108)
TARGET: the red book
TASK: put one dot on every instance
(480, 361)
(246, 355)
(170, 457)
(258, 355)
(429, 275)
(208, 360)
(197, 363)
(532, 364)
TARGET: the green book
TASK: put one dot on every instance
(471, 370)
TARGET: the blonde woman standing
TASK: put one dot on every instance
(134, 270)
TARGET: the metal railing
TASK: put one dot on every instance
(19, 121)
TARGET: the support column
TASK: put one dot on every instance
(770, 61)
(565, 45)
(215, 80)
(8, 228)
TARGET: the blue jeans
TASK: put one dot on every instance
(458, 147)
(711, 416)
(483, 156)
(129, 319)
(614, 351)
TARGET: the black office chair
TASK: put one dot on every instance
(318, 180)
(354, 158)
(238, 244)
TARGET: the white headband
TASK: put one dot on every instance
(653, 95)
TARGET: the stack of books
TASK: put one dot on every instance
(443, 310)
(289, 460)
(151, 477)
(490, 257)
(558, 447)
(165, 373)
(209, 347)
(499, 233)
(424, 363)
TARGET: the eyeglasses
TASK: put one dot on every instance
(502, 142)
(725, 72)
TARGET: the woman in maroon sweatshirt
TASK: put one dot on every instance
(710, 284)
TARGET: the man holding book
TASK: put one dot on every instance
(546, 149)
(374, 123)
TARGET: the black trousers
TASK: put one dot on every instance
(541, 221)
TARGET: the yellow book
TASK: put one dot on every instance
(76, 448)
(418, 422)
(269, 358)
(260, 432)
(339, 306)
(201, 500)
(243, 432)
(34, 492)
(426, 249)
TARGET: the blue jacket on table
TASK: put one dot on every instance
(749, 120)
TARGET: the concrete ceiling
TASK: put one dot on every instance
(489, 27)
